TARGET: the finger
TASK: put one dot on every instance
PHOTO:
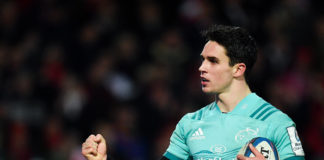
(241, 157)
(89, 151)
(255, 151)
(86, 149)
(102, 147)
(99, 138)
(91, 137)
(91, 143)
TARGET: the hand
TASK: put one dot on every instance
(95, 148)
(258, 155)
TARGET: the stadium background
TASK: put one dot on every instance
(129, 70)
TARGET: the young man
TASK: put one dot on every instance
(220, 129)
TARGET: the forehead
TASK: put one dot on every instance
(214, 49)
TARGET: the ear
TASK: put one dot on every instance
(239, 70)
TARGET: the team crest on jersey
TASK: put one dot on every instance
(246, 134)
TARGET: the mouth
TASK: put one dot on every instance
(204, 81)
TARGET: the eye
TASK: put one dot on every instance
(213, 59)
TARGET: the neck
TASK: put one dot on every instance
(228, 100)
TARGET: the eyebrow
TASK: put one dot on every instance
(210, 58)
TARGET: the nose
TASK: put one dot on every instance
(202, 68)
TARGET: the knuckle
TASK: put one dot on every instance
(84, 152)
(90, 137)
(88, 141)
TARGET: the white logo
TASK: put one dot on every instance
(246, 134)
(244, 106)
(199, 134)
(218, 148)
(295, 141)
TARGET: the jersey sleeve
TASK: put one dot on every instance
(178, 149)
(287, 141)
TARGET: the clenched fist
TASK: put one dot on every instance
(95, 148)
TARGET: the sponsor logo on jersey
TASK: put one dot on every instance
(216, 152)
(198, 134)
(295, 141)
(218, 148)
(208, 155)
(246, 135)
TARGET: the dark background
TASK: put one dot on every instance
(129, 70)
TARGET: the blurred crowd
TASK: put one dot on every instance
(129, 70)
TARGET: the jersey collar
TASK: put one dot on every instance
(244, 106)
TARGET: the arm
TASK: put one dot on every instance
(288, 143)
(95, 148)
(178, 148)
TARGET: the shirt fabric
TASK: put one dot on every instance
(210, 134)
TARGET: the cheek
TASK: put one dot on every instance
(222, 76)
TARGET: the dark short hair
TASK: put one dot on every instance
(239, 44)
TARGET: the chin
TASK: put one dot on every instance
(208, 91)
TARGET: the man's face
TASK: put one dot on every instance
(215, 72)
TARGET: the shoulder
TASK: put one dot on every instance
(279, 117)
(276, 116)
(196, 115)
(201, 113)
(189, 119)
(265, 111)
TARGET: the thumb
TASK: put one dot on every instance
(102, 147)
